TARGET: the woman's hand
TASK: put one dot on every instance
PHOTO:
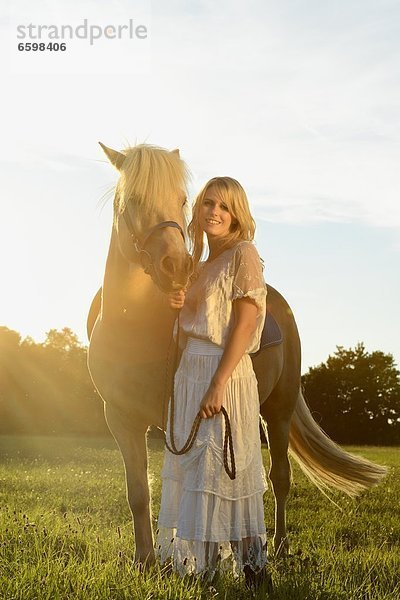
(245, 312)
(177, 298)
(212, 401)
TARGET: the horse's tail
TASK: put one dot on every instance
(323, 461)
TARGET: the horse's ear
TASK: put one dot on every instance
(116, 158)
(176, 152)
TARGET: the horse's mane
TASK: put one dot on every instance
(150, 177)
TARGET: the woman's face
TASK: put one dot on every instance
(215, 218)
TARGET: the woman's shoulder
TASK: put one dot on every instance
(246, 261)
(246, 250)
(241, 252)
(245, 246)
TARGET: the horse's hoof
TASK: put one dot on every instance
(143, 565)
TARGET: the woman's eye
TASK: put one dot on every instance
(224, 207)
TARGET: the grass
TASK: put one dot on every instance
(65, 531)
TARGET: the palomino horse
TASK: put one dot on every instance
(130, 327)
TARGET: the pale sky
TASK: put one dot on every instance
(299, 100)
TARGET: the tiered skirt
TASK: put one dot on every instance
(207, 521)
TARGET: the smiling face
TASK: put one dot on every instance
(221, 210)
(215, 218)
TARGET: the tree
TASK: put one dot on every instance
(355, 396)
(9, 340)
(64, 340)
(46, 388)
(10, 347)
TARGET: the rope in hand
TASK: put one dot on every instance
(228, 441)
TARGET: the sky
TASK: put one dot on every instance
(298, 100)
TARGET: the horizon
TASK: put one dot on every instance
(298, 101)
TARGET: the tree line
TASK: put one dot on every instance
(45, 388)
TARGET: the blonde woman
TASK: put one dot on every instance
(207, 521)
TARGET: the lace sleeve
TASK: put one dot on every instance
(248, 279)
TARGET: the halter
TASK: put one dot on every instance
(140, 247)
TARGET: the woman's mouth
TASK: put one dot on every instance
(213, 222)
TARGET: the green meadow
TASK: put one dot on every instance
(65, 531)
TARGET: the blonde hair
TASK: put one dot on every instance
(233, 195)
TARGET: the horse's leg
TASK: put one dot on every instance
(278, 439)
(279, 387)
(132, 443)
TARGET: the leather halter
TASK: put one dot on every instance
(140, 246)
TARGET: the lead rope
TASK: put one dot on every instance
(228, 441)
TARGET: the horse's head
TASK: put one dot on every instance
(149, 212)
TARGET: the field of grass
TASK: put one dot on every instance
(65, 531)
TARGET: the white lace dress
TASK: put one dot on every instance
(208, 521)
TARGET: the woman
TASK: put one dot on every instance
(208, 521)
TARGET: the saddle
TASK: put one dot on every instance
(271, 334)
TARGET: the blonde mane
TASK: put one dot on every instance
(150, 178)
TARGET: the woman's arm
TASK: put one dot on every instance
(245, 312)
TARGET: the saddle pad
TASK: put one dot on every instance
(271, 335)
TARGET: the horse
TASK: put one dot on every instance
(130, 328)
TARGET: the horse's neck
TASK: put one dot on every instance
(127, 290)
(133, 306)
(117, 281)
